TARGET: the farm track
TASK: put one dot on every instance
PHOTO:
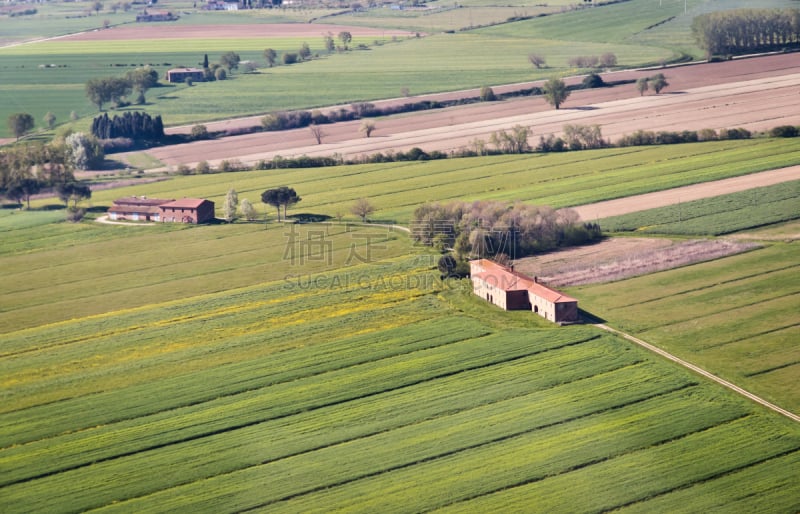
(701, 371)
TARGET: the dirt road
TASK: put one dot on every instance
(686, 194)
(703, 372)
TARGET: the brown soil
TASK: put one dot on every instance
(756, 93)
(620, 258)
(270, 30)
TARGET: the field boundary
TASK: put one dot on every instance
(733, 387)
(677, 195)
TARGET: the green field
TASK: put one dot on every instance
(638, 32)
(558, 180)
(304, 391)
(736, 317)
(715, 216)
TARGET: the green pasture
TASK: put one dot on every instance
(715, 216)
(557, 180)
(736, 317)
(348, 388)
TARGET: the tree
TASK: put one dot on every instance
(230, 60)
(280, 196)
(220, 74)
(271, 56)
(20, 124)
(515, 141)
(642, 85)
(555, 92)
(85, 151)
(487, 94)
(199, 132)
(659, 82)
(608, 60)
(49, 120)
(362, 208)
(142, 79)
(97, 7)
(304, 52)
(330, 46)
(536, 60)
(317, 132)
(345, 37)
(73, 192)
(248, 210)
(447, 265)
(367, 127)
(23, 189)
(290, 58)
(101, 90)
(231, 203)
(205, 60)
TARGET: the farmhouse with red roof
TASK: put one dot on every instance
(188, 210)
(141, 208)
(511, 290)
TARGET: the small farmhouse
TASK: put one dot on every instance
(137, 208)
(179, 75)
(141, 208)
(511, 290)
(187, 210)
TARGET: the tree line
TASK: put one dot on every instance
(115, 90)
(746, 30)
(26, 170)
(133, 125)
(491, 229)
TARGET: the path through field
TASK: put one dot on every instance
(701, 371)
(686, 194)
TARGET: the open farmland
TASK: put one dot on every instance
(556, 179)
(736, 317)
(267, 396)
(716, 216)
(756, 94)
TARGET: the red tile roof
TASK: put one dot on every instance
(510, 280)
(185, 203)
(141, 200)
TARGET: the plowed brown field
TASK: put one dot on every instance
(755, 93)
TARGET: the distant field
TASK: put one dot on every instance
(558, 180)
(736, 317)
(715, 216)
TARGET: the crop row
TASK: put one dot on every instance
(734, 317)
(518, 364)
(718, 215)
(444, 460)
(558, 180)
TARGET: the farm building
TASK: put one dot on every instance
(511, 290)
(141, 208)
(187, 210)
(137, 208)
(181, 74)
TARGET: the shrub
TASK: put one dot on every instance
(199, 132)
(592, 80)
(487, 94)
(220, 74)
(183, 170)
(783, 131)
(202, 168)
(75, 214)
(290, 58)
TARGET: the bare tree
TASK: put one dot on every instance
(367, 127)
(642, 85)
(362, 208)
(536, 60)
(317, 132)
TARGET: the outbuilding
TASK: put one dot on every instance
(511, 290)
(179, 75)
